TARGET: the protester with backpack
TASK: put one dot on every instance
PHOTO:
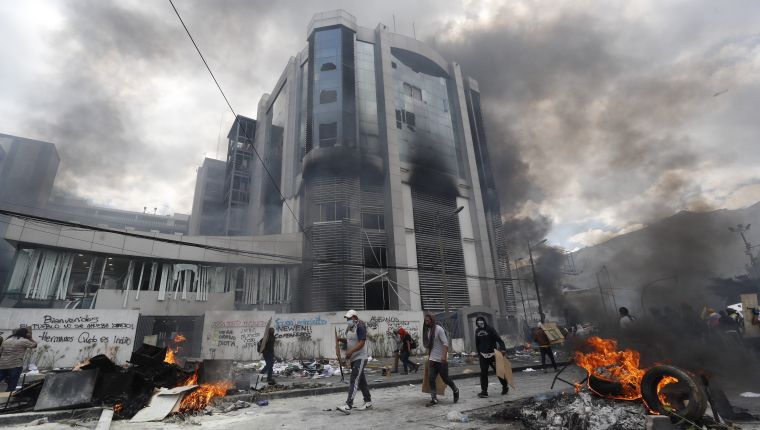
(407, 346)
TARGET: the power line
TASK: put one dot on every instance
(262, 255)
(201, 55)
(245, 129)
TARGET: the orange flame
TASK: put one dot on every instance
(117, 408)
(171, 351)
(201, 396)
(179, 338)
(604, 361)
(663, 397)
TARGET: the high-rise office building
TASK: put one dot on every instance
(27, 172)
(207, 217)
(372, 142)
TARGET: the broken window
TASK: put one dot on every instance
(412, 91)
(375, 256)
(327, 67)
(333, 211)
(328, 96)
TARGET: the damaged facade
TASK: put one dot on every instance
(371, 141)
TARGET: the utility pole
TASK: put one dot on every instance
(535, 281)
(741, 228)
(439, 227)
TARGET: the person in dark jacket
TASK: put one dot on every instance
(544, 345)
(486, 341)
(268, 354)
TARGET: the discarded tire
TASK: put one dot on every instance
(691, 406)
(605, 387)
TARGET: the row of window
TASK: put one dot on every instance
(334, 211)
(405, 117)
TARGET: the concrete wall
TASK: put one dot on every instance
(65, 337)
(233, 335)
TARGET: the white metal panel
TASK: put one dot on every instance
(465, 220)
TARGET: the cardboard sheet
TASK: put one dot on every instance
(440, 387)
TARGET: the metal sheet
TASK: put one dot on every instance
(67, 390)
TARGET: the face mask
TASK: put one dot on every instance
(481, 324)
(351, 323)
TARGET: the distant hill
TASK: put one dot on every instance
(672, 260)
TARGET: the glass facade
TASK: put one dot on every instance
(272, 200)
(366, 92)
(333, 103)
(424, 117)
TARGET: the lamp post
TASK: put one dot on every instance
(439, 227)
(535, 281)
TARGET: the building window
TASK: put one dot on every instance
(333, 211)
(406, 117)
(328, 134)
(373, 221)
(393, 64)
(412, 91)
(328, 96)
(327, 67)
(375, 256)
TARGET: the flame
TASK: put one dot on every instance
(117, 408)
(604, 361)
(201, 396)
(663, 397)
(171, 351)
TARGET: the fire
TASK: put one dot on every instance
(663, 397)
(171, 352)
(80, 364)
(117, 408)
(605, 362)
(201, 396)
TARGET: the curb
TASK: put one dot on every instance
(306, 392)
(28, 417)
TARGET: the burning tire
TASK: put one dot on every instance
(605, 387)
(670, 391)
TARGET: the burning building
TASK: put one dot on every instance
(369, 143)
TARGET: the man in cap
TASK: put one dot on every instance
(356, 354)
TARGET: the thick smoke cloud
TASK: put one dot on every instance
(585, 124)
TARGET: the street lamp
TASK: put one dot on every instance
(535, 281)
(443, 263)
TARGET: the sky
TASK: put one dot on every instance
(601, 116)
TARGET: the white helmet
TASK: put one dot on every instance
(350, 314)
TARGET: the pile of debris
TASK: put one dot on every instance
(573, 412)
(152, 386)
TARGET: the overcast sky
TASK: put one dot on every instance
(601, 116)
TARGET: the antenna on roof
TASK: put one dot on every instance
(394, 22)
(414, 31)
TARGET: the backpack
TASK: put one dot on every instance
(414, 344)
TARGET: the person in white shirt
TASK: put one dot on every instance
(438, 350)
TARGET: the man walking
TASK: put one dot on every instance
(406, 350)
(12, 353)
(539, 335)
(438, 358)
(268, 354)
(486, 340)
(356, 354)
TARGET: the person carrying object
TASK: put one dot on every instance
(544, 346)
(438, 358)
(356, 354)
(486, 341)
(268, 354)
(12, 353)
